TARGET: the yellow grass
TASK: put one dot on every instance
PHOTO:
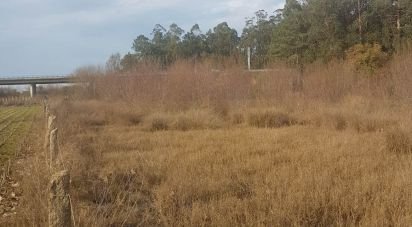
(315, 173)
(200, 148)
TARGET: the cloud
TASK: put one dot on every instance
(56, 36)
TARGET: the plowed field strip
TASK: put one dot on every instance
(4, 116)
(14, 125)
(12, 118)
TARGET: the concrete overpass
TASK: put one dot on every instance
(33, 81)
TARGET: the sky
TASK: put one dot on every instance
(54, 37)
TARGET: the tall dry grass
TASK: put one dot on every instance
(313, 173)
(186, 85)
(196, 146)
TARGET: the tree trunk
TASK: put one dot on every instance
(360, 21)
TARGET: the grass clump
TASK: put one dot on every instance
(269, 119)
(184, 121)
(237, 118)
(130, 118)
(340, 122)
(197, 120)
(158, 122)
(398, 141)
(366, 124)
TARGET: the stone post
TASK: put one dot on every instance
(54, 149)
(59, 200)
(50, 126)
(46, 114)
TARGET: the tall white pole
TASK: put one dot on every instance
(248, 58)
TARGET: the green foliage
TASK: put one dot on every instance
(326, 29)
(367, 57)
(222, 40)
(129, 62)
(166, 46)
(257, 35)
(302, 32)
(193, 43)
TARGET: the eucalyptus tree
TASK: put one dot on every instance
(193, 43)
(257, 35)
(172, 43)
(222, 40)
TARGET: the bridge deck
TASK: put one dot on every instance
(37, 80)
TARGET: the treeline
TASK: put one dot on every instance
(304, 31)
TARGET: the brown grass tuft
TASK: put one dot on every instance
(184, 121)
(398, 141)
(237, 118)
(341, 123)
(270, 119)
(158, 122)
(328, 171)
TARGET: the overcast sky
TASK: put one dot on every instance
(54, 37)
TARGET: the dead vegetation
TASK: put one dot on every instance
(269, 119)
(398, 141)
(231, 148)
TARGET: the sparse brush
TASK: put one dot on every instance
(124, 175)
(269, 119)
(398, 141)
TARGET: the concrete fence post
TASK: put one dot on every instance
(59, 200)
(46, 114)
(51, 125)
(54, 149)
(44, 108)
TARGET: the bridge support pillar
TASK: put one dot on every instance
(33, 90)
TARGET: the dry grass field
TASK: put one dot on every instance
(314, 166)
(233, 149)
